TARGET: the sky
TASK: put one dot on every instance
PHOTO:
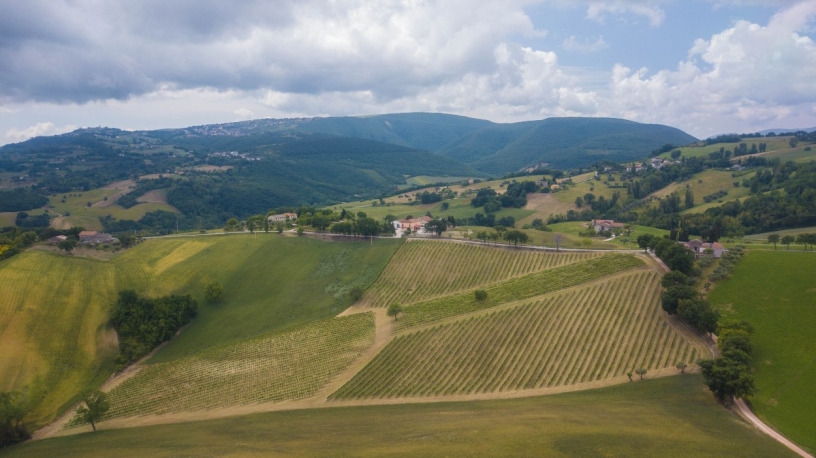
(704, 66)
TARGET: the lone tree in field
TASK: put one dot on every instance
(641, 372)
(96, 406)
(557, 238)
(213, 291)
(68, 245)
(681, 366)
(355, 293)
(773, 238)
(629, 374)
(644, 240)
(480, 295)
(394, 310)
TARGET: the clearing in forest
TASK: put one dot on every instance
(597, 332)
(422, 270)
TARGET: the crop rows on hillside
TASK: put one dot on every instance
(423, 270)
(283, 366)
(602, 331)
(520, 288)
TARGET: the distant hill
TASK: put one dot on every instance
(561, 142)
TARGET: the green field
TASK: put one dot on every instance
(282, 366)
(53, 333)
(707, 183)
(102, 204)
(671, 417)
(598, 332)
(775, 291)
(774, 143)
(426, 180)
(421, 270)
(794, 232)
(270, 283)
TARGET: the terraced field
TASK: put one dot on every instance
(282, 366)
(532, 285)
(422, 270)
(583, 335)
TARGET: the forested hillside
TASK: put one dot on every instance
(562, 143)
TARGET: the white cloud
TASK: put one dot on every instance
(243, 113)
(37, 130)
(748, 75)
(586, 46)
(598, 10)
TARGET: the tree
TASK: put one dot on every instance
(579, 201)
(802, 239)
(213, 291)
(641, 372)
(516, 237)
(629, 374)
(699, 314)
(773, 238)
(787, 240)
(673, 294)
(232, 225)
(12, 411)
(355, 293)
(557, 238)
(437, 226)
(644, 240)
(727, 378)
(480, 295)
(68, 245)
(96, 406)
(689, 201)
(674, 278)
(681, 366)
(394, 310)
(500, 230)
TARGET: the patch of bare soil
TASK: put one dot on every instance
(157, 196)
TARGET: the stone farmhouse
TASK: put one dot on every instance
(699, 247)
(601, 225)
(414, 224)
(282, 218)
(95, 238)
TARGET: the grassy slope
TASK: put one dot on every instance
(88, 217)
(270, 282)
(669, 417)
(53, 307)
(776, 293)
(53, 311)
(774, 143)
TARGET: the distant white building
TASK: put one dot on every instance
(282, 218)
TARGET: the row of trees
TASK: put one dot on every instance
(513, 236)
(729, 375)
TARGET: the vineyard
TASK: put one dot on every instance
(424, 270)
(518, 288)
(282, 366)
(594, 333)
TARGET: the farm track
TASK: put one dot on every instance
(508, 384)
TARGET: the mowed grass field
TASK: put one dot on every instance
(601, 331)
(666, 417)
(421, 270)
(775, 291)
(54, 341)
(54, 308)
(287, 365)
